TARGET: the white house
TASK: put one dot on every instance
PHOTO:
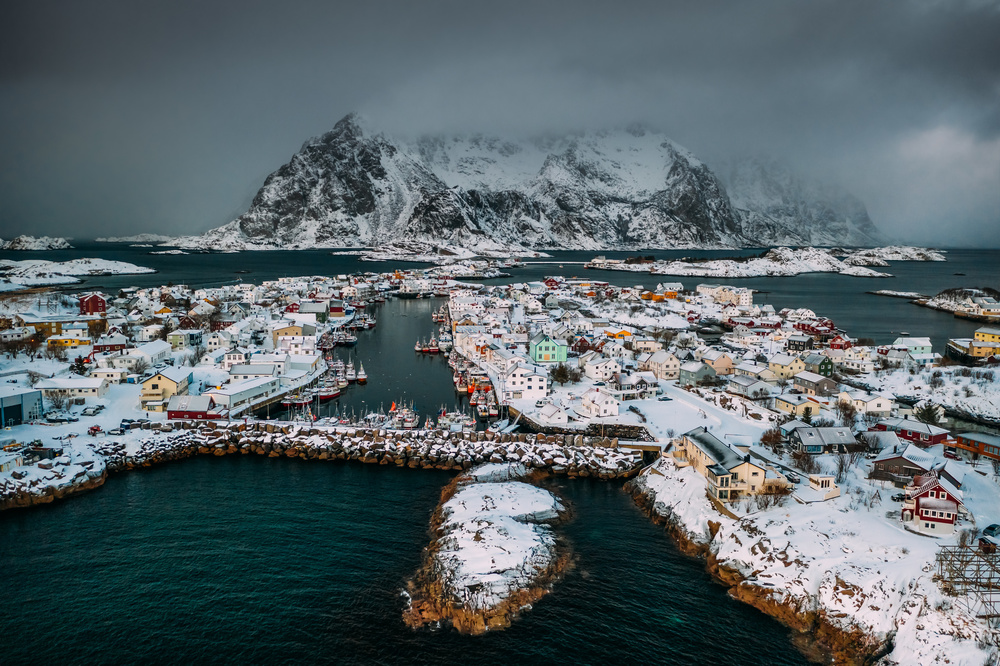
(601, 369)
(598, 404)
(526, 382)
(73, 387)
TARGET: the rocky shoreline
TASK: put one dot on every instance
(845, 647)
(847, 602)
(493, 552)
(571, 456)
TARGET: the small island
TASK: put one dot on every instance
(494, 553)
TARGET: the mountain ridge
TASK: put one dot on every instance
(617, 189)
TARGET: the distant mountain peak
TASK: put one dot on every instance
(626, 188)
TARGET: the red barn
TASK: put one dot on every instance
(93, 304)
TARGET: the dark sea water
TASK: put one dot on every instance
(258, 560)
(268, 560)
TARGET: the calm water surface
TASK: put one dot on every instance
(248, 559)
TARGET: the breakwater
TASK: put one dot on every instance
(568, 455)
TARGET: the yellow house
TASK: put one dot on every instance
(164, 310)
(157, 390)
(619, 334)
(290, 329)
(786, 366)
(730, 473)
(987, 334)
(67, 341)
(797, 404)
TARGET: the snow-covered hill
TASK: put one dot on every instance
(35, 243)
(623, 189)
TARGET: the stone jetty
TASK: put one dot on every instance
(568, 455)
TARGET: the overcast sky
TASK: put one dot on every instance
(122, 117)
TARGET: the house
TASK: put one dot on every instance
(156, 390)
(601, 369)
(252, 371)
(822, 488)
(191, 407)
(785, 366)
(799, 405)
(719, 361)
(242, 394)
(913, 345)
(798, 343)
(73, 387)
(113, 375)
(730, 473)
(525, 382)
(18, 405)
(867, 403)
(598, 404)
(632, 386)
(757, 371)
(152, 353)
(693, 373)
(979, 444)
(812, 384)
(748, 387)
(16, 334)
(662, 364)
(185, 338)
(932, 505)
(901, 464)
(553, 414)
(821, 440)
(920, 433)
(819, 364)
(91, 304)
(544, 349)
(110, 343)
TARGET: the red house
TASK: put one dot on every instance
(552, 283)
(921, 434)
(841, 342)
(931, 505)
(191, 407)
(292, 307)
(93, 304)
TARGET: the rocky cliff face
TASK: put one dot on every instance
(609, 190)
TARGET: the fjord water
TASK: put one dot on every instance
(258, 560)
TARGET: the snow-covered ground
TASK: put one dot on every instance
(36, 272)
(881, 256)
(35, 243)
(970, 390)
(847, 559)
(781, 261)
(494, 542)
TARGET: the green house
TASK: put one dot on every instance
(820, 364)
(544, 349)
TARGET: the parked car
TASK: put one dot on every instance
(793, 477)
(992, 531)
(664, 398)
(951, 455)
(898, 497)
(116, 431)
(598, 383)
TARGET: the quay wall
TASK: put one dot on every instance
(566, 455)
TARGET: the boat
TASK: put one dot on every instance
(362, 376)
(349, 373)
(429, 423)
(497, 426)
(342, 380)
(473, 397)
(328, 391)
(418, 347)
(432, 346)
(482, 408)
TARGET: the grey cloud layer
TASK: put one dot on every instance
(167, 116)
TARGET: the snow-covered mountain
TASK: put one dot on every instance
(775, 203)
(625, 189)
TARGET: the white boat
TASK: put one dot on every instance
(362, 376)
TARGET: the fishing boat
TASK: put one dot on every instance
(418, 347)
(328, 391)
(432, 346)
(429, 423)
(362, 376)
(497, 426)
(491, 405)
(482, 408)
(473, 396)
(342, 380)
(349, 372)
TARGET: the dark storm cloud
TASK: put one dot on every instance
(126, 117)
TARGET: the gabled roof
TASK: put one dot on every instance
(718, 451)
